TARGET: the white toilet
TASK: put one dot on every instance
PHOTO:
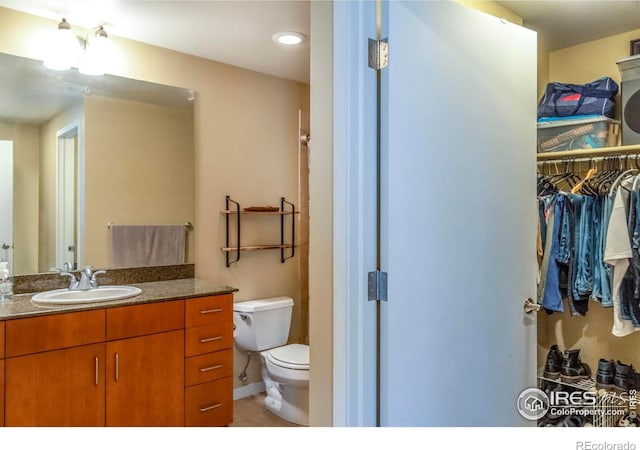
(263, 326)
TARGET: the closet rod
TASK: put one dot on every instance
(593, 159)
(592, 152)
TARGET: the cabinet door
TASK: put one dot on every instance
(1, 392)
(145, 381)
(58, 388)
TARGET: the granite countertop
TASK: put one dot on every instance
(21, 306)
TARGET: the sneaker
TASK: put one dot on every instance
(573, 369)
(606, 374)
(554, 363)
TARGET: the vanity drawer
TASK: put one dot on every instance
(40, 334)
(209, 404)
(208, 367)
(209, 310)
(139, 320)
(209, 338)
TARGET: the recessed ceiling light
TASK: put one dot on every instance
(289, 38)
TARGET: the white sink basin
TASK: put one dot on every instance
(101, 294)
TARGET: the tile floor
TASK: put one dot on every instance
(251, 412)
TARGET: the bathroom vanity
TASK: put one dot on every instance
(162, 358)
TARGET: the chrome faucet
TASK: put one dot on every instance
(88, 279)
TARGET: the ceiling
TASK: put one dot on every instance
(235, 32)
(562, 24)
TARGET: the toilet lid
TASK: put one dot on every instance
(293, 356)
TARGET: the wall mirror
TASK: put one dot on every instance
(86, 152)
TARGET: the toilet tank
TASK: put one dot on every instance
(263, 323)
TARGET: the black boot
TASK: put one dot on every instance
(606, 374)
(573, 369)
(554, 363)
(626, 378)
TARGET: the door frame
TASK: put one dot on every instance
(354, 215)
(63, 133)
(10, 195)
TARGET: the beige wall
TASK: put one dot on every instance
(494, 9)
(245, 146)
(48, 150)
(139, 165)
(592, 333)
(26, 155)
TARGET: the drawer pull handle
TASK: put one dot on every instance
(211, 339)
(209, 311)
(209, 408)
(97, 372)
(206, 369)
(117, 367)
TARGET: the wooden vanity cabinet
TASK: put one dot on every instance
(1, 373)
(54, 371)
(56, 388)
(122, 366)
(209, 361)
(145, 365)
(145, 381)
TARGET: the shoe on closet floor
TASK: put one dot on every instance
(626, 378)
(553, 365)
(606, 374)
(628, 421)
(573, 369)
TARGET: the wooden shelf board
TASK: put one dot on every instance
(256, 247)
(262, 213)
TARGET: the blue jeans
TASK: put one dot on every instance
(583, 253)
(602, 272)
(551, 295)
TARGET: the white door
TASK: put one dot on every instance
(66, 203)
(458, 216)
(6, 202)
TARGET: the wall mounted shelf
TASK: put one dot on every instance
(286, 209)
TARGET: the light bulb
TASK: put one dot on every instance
(97, 53)
(63, 48)
(289, 38)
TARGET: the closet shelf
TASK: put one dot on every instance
(585, 385)
(587, 152)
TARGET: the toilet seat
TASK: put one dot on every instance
(293, 356)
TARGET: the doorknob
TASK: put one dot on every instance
(530, 306)
(6, 246)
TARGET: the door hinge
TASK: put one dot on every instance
(378, 53)
(378, 286)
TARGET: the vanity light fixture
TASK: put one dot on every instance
(67, 50)
(95, 52)
(289, 38)
(64, 48)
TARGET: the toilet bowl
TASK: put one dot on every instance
(285, 372)
(263, 326)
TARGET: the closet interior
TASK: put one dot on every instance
(589, 256)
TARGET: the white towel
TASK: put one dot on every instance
(147, 245)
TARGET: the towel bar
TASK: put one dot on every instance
(187, 225)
